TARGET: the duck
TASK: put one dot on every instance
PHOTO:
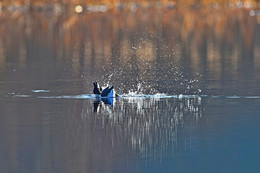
(107, 92)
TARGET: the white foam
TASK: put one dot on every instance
(135, 95)
(22, 95)
(129, 95)
(40, 91)
(252, 97)
(233, 97)
(83, 96)
(157, 95)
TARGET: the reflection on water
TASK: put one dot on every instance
(107, 101)
(68, 136)
(207, 58)
(168, 51)
(148, 126)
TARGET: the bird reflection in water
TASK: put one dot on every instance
(108, 101)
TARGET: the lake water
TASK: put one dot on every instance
(188, 82)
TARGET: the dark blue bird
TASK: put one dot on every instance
(107, 92)
(96, 89)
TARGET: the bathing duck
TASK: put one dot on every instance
(97, 90)
(107, 92)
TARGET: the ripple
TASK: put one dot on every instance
(83, 96)
(40, 91)
(133, 96)
(22, 95)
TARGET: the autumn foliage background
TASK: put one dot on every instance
(112, 3)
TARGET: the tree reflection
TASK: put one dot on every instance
(163, 48)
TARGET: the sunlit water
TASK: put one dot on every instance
(189, 97)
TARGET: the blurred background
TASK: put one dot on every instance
(174, 47)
